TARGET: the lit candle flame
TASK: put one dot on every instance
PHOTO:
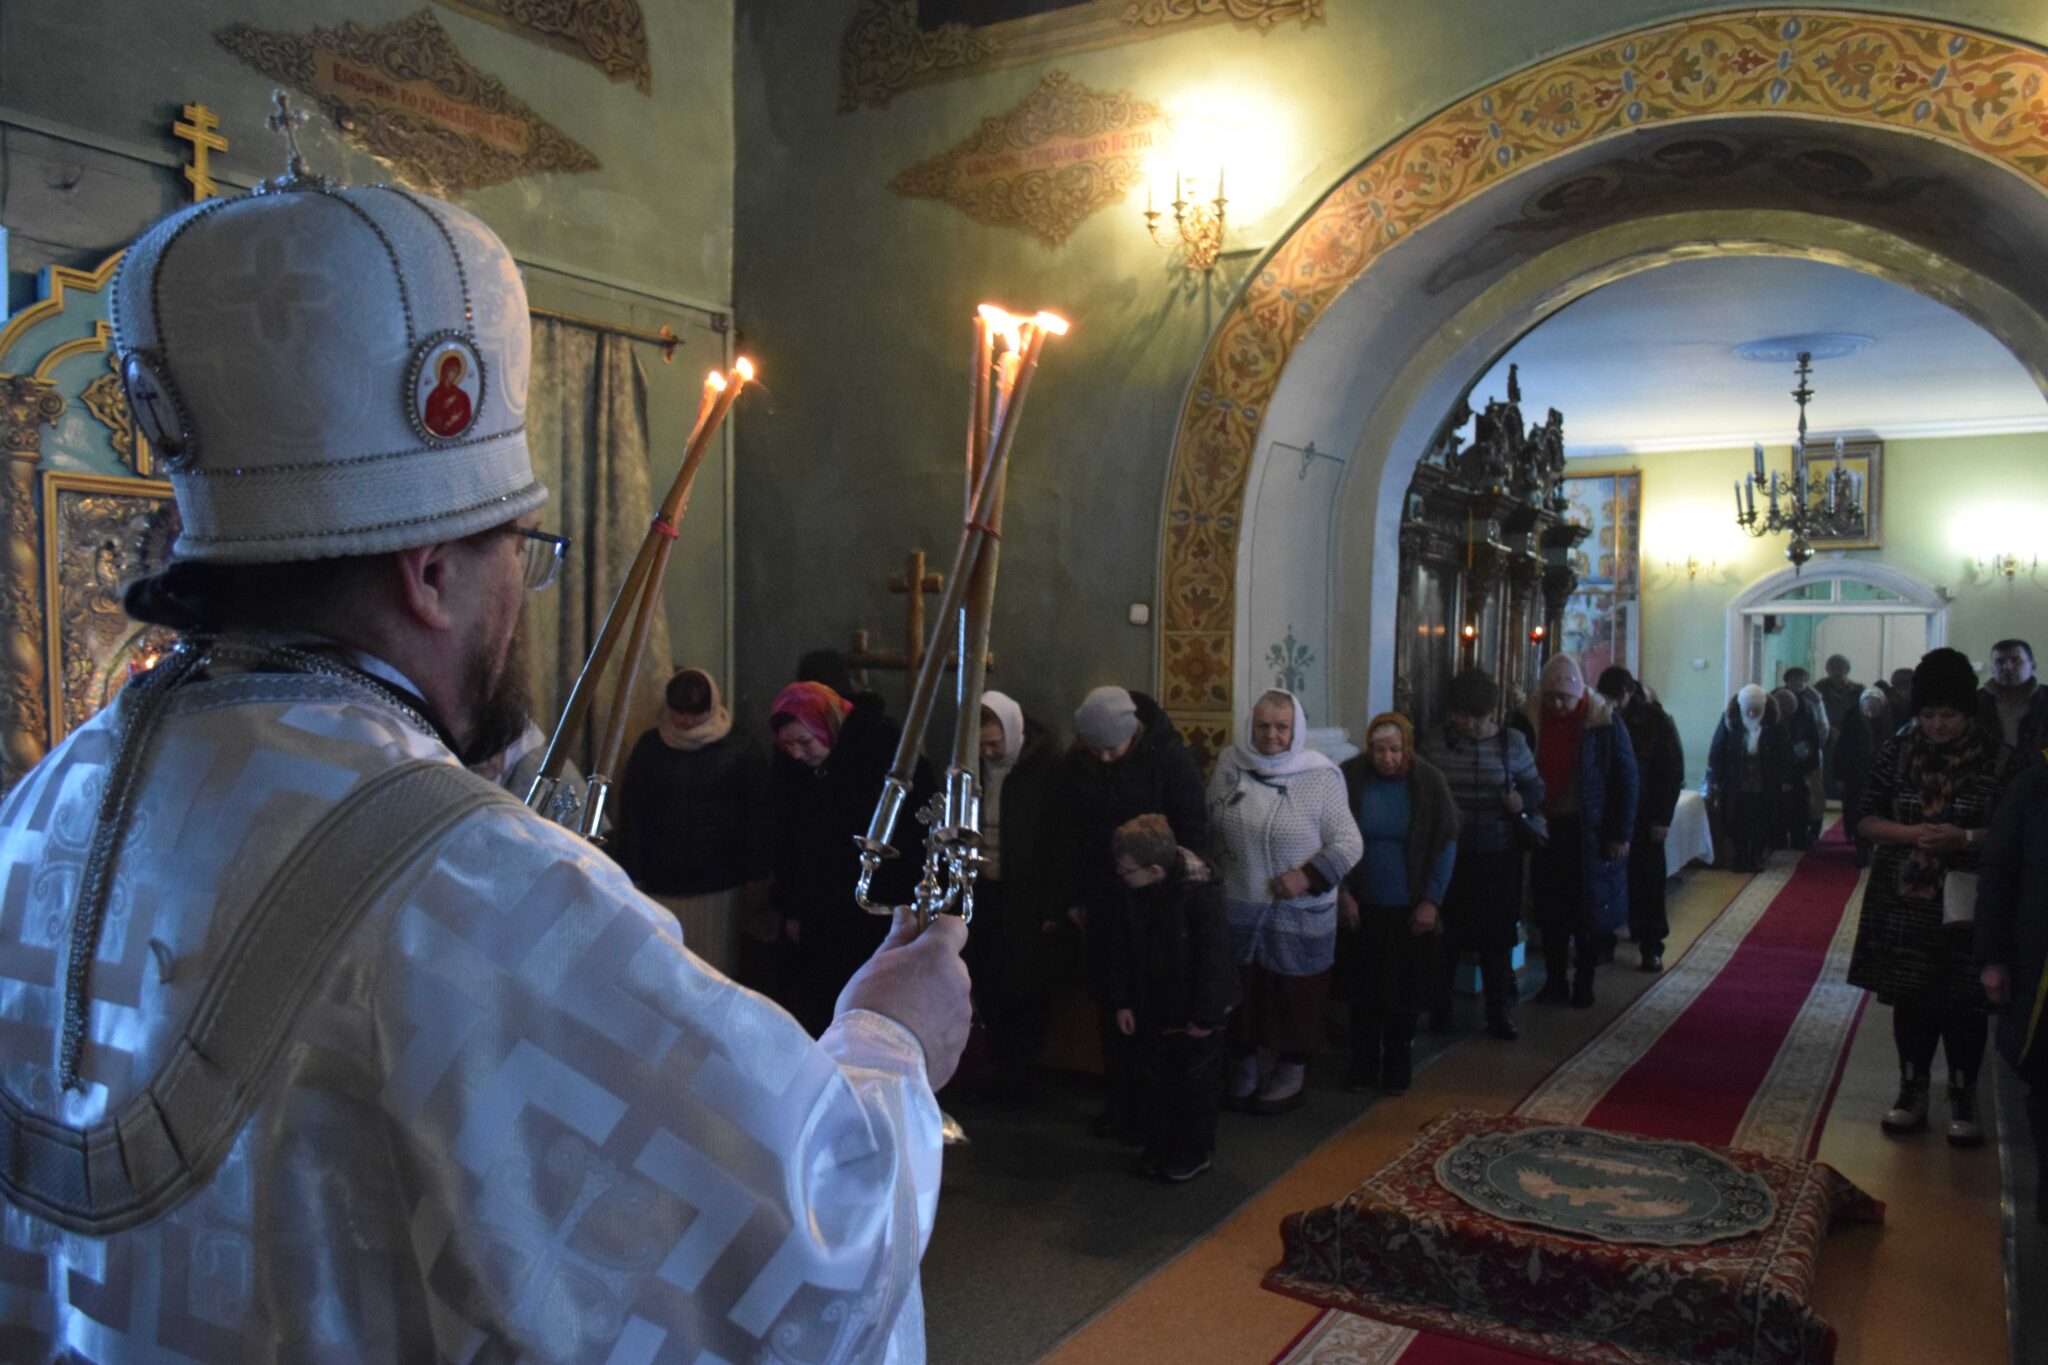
(744, 368)
(1002, 322)
(715, 382)
(1005, 324)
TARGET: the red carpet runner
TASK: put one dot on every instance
(1741, 1043)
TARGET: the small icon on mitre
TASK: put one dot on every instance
(446, 387)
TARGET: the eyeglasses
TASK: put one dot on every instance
(540, 557)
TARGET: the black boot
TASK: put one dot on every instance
(1397, 1055)
(1365, 1050)
(1908, 1113)
(1589, 963)
(1497, 983)
(1557, 969)
(1963, 1128)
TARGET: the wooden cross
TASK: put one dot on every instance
(915, 584)
(198, 129)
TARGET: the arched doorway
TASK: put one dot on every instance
(1890, 618)
(1768, 132)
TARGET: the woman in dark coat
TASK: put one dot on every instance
(1392, 899)
(1020, 896)
(1927, 805)
(1493, 779)
(823, 786)
(2012, 946)
(1127, 760)
(1579, 880)
(1747, 767)
(693, 817)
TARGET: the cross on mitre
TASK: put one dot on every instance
(287, 121)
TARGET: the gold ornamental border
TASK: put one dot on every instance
(1983, 94)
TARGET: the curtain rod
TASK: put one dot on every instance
(666, 338)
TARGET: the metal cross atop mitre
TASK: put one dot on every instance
(286, 120)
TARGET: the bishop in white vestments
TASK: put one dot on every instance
(319, 1048)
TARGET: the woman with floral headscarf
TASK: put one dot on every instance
(1282, 838)
(1926, 807)
(832, 757)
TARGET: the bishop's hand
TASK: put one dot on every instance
(919, 980)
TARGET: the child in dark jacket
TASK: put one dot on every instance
(1174, 985)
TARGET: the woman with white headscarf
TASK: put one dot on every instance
(1020, 896)
(1283, 838)
(1748, 767)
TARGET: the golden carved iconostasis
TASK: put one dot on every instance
(81, 512)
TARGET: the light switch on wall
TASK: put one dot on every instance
(1141, 613)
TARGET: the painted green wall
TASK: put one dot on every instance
(856, 301)
(1944, 500)
(88, 93)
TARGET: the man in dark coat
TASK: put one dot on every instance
(2014, 705)
(1660, 769)
(1020, 895)
(2012, 945)
(1174, 983)
(1749, 766)
(1127, 760)
(1794, 827)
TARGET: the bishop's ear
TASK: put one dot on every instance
(427, 581)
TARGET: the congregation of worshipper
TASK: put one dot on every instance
(1267, 681)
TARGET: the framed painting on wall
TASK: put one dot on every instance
(1603, 617)
(1863, 461)
(98, 534)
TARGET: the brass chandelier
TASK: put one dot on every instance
(1810, 504)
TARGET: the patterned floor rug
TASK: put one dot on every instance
(1620, 1251)
(1740, 1044)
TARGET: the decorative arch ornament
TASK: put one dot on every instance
(1983, 94)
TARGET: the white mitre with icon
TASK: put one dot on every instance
(328, 370)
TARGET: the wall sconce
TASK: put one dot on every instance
(1692, 566)
(2011, 564)
(1197, 226)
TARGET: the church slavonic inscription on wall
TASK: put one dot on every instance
(404, 94)
(1063, 153)
(891, 45)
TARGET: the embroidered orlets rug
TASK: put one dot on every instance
(1405, 1249)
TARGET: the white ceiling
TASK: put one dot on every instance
(1648, 363)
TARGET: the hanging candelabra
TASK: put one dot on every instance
(1810, 507)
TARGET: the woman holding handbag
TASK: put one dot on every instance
(1499, 795)
(1926, 806)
